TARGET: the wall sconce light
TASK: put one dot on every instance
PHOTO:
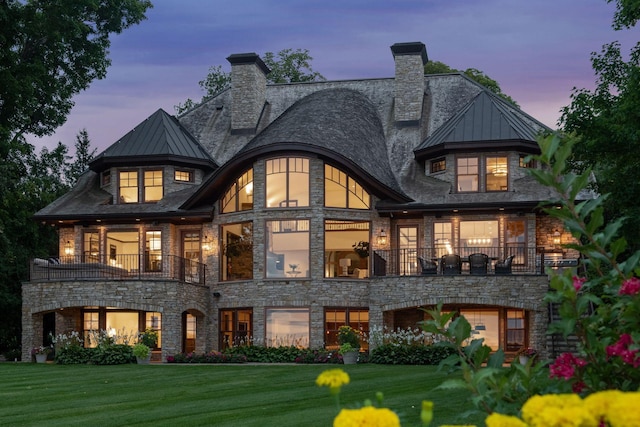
(555, 237)
(206, 243)
(68, 248)
(216, 294)
(382, 238)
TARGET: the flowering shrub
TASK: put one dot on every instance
(210, 357)
(379, 336)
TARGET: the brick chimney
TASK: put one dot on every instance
(410, 59)
(248, 91)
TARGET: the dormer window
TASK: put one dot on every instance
(467, 174)
(183, 175)
(152, 185)
(438, 165)
(524, 163)
(497, 174)
(129, 186)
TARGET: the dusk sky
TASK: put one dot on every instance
(536, 50)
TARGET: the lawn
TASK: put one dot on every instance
(214, 395)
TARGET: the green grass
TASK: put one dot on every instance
(214, 395)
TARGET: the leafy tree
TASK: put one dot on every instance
(606, 122)
(287, 66)
(437, 67)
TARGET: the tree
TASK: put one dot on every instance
(437, 67)
(606, 122)
(288, 66)
(84, 155)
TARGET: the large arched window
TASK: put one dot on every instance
(287, 182)
(342, 191)
(239, 196)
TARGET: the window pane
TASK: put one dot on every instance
(128, 186)
(358, 197)
(287, 249)
(298, 182)
(90, 324)
(467, 174)
(335, 187)
(153, 251)
(184, 176)
(122, 324)
(237, 251)
(497, 174)
(408, 246)
(91, 247)
(153, 321)
(287, 327)
(287, 182)
(478, 236)
(123, 249)
(152, 186)
(358, 319)
(442, 238)
(484, 324)
(340, 257)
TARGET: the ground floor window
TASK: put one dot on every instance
(153, 321)
(189, 324)
(516, 337)
(123, 326)
(236, 327)
(287, 327)
(357, 318)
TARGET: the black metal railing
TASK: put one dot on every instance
(118, 267)
(408, 262)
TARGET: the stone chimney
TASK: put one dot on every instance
(248, 91)
(410, 59)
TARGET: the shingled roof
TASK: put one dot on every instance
(337, 124)
(158, 139)
(486, 119)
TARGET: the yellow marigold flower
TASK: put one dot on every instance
(624, 411)
(457, 425)
(333, 378)
(426, 414)
(500, 420)
(599, 403)
(557, 410)
(367, 416)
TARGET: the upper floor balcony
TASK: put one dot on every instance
(118, 267)
(468, 260)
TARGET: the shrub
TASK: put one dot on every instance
(403, 354)
(114, 354)
(73, 355)
(259, 354)
(318, 356)
(211, 357)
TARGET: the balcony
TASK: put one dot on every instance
(118, 267)
(429, 261)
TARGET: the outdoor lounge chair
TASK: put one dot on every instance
(478, 263)
(504, 267)
(451, 264)
(428, 266)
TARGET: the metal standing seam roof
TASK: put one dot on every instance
(160, 135)
(484, 118)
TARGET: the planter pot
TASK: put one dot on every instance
(41, 358)
(350, 358)
(143, 360)
(523, 359)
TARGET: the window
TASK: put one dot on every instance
(91, 246)
(515, 330)
(467, 174)
(123, 249)
(287, 327)
(523, 163)
(287, 182)
(128, 181)
(516, 240)
(239, 196)
(152, 185)
(237, 251)
(183, 175)
(341, 260)
(484, 324)
(478, 236)
(236, 327)
(497, 174)
(190, 330)
(287, 249)
(153, 321)
(342, 191)
(106, 177)
(153, 251)
(357, 318)
(442, 238)
(438, 165)
(90, 326)
(408, 247)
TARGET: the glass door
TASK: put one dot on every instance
(408, 250)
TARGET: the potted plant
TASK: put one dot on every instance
(526, 353)
(149, 338)
(349, 341)
(361, 248)
(142, 353)
(41, 353)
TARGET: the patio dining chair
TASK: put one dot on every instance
(478, 263)
(451, 264)
(428, 266)
(504, 267)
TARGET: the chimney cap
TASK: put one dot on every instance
(248, 58)
(410, 48)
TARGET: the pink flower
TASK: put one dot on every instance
(578, 282)
(578, 387)
(630, 287)
(564, 366)
(621, 349)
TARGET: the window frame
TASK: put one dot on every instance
(273, 257)
(290, 175)
(237, 335)
(459, 174)
(331, 335)
(189, 172)
(129, 180)
(487, 174)
(275, 342)
(244, 246)
(353, 192)
(232, 194)
(438, 165)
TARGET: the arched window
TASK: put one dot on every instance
(287, 182)
(342, 191)
(239, 196)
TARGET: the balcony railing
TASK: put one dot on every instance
(526, 260)
(118, 267)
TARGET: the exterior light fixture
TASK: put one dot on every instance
(68, 248)
(555, 237)
(382, 238)
(206, 243)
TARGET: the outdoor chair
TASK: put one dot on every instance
(504, 267)
(451, 264)
(428, 266)
(478, 263)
